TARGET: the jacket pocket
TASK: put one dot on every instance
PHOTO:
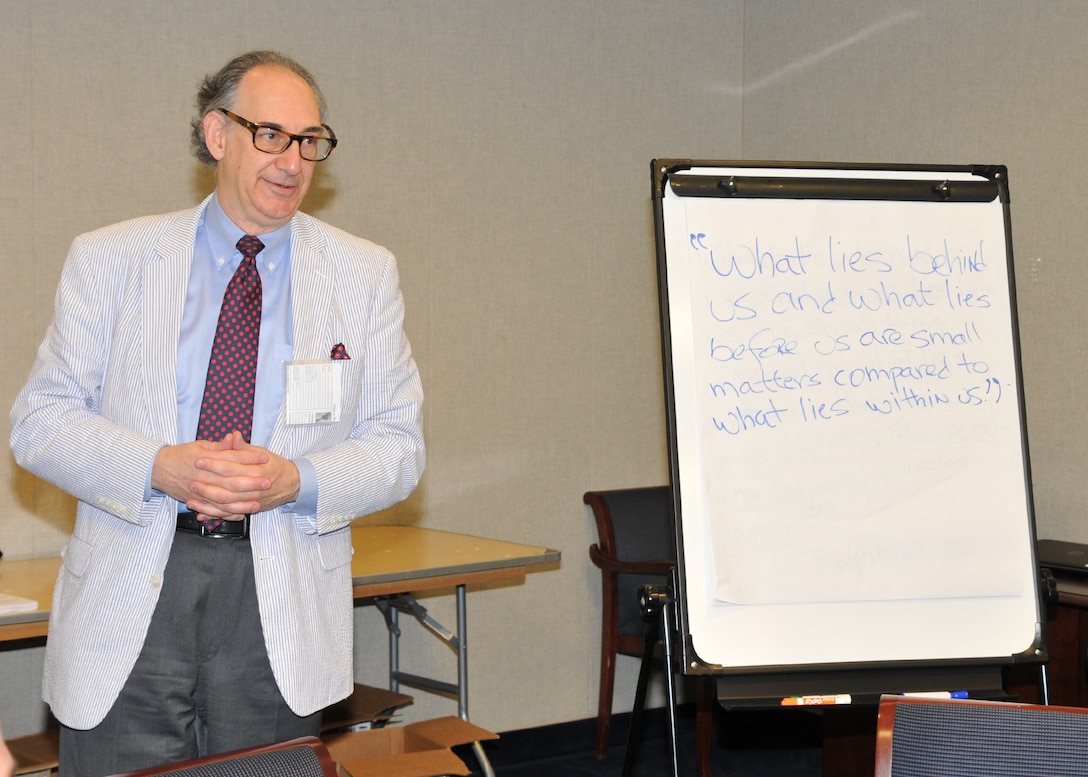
(351, 386)
(76, 556)
(334, 549)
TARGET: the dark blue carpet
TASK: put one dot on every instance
(759, 743)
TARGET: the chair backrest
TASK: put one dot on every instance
(923, 737)
(634, 525)
(303, 757)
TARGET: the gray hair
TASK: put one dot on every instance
(220, 90)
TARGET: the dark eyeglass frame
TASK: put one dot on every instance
(255, 128)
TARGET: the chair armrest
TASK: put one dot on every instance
(609, 564)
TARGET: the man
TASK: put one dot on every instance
(204, 601)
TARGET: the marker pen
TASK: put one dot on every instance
(816, 701)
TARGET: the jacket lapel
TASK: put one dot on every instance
(312, 276)
(165, 272)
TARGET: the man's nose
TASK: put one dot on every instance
(291, 157)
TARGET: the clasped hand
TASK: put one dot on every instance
(228, 479)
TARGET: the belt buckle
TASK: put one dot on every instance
(218, 533)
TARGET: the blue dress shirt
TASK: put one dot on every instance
(215, 260)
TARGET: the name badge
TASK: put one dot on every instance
(313, 392)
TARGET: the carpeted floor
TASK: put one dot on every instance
(770, 743)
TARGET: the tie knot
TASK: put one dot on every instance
(250, 246)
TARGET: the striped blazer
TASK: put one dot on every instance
(101, 400)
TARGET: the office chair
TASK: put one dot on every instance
(636, 546)
(927, 737)
(303, 757)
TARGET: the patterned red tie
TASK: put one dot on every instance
(232, 369)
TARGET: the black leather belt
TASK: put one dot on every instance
(190, 523)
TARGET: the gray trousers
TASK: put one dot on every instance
(202, 684)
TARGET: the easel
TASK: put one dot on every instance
(657, 603)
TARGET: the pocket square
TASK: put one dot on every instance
(339, 352)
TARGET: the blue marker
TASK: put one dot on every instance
(937, 694)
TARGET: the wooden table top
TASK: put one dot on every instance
(388, 560)
(31, 579)
(398, 559)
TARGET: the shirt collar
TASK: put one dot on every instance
(223, 236)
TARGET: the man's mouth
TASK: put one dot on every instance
(282, 188)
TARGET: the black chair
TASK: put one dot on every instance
(636, 546)
(303, 757)
(927, 737)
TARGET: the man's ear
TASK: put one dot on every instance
(215, 133)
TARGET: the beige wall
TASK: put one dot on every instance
(501, 149)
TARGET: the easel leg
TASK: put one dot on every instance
(670, 683)
(634, 733)
(656, 603)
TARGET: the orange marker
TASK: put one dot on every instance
(816, 701)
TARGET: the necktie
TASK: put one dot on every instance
(232, 369)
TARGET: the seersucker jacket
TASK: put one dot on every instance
(101, 400)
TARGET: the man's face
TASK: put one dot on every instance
(260, 192)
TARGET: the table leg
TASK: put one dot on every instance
(394, 648)
(459, 643)
(462, 676)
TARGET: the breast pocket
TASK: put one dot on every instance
(351, 380)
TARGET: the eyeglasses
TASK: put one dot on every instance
(272, 140)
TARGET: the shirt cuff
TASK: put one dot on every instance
(306, 504)
(149, 492)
